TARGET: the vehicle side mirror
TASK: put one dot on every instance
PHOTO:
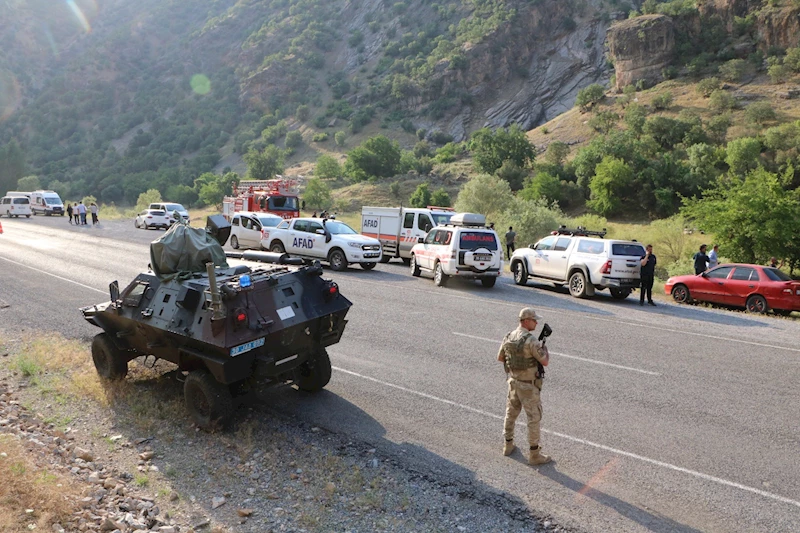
(535, 246)
(113, 289)
(420, 240)
(320, 232)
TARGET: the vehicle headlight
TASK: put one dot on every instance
(354, 245)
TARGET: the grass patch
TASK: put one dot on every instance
(141, 480)
(26, 486)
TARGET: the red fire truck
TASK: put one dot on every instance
(277, 196)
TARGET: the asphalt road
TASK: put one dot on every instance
(673, 418)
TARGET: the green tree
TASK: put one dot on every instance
(12, 165)
(733, 70)
(440, 198)
(211, 188)
(485, 194)
(760, 113)
(743, 155)
(317, 194)
(792, 59)
(635, 118)
(542, 185)
(293, 139)
(377, 157)
(148, 197)
(394, 190)
(29, 183)
(604, 121)
(707, 86)
(753, 219)
(182, 194)
(421, 197)
(720, 101)
(589, 96)
(264, 165)
(778, 73)
(556, 153)
(303, 112)
(612, 177)
(339, 138)
(663, 100)
(327, 167)
(491, 149)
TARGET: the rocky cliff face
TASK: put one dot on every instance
(641, 47)
(778, 26)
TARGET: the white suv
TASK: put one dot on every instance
(464, 248)
(247, 228)
(583, 260)
(15, 206)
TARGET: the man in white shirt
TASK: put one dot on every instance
(713, 259)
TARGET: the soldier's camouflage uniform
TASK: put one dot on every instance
(521, 350)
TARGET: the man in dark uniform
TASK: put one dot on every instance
(701, 260)
(519, 353)
(648, 273)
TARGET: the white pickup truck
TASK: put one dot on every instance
(583, 260)
(324, 239)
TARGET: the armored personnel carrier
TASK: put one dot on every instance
(228, 329)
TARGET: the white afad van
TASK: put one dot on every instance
(46, 203)
(15, 206)
(400, 228)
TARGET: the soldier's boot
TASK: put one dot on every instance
(537, 457)
(508, 447)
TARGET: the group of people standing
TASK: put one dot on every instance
(77, 211)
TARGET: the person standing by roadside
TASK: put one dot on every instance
(521, 355)
(511, 236)
(700, 260)
(648, 274)
(713, 258)
(82, 211)
(773, 262)
(69, 213)
(76, 214)
(93, 210)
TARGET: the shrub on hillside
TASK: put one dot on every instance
(733, 70)
(485, 194)
(779, 73)
(327, 167)
(421, 197)
(792, 59)
(293, 139)
(589, 96)
(720, 101)
(440, 198)
(760, 113)
(320, 137)
(317, 194)
(663, 100)
(707, 86)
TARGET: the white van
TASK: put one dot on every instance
(46, 203)
(400, 228)
(15, 206)
(170, 209)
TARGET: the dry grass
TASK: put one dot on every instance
(31, 497)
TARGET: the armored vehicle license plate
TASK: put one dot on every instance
(246, 347)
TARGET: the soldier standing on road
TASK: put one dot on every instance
(511, 235)
(648, 274)
(519, 353)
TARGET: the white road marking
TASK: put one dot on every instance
(592, 317)
(656, 462)
(54, 275)
(595, 361)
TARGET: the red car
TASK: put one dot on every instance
(755, 287)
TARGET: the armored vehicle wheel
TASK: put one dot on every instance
(235, 242)
(209, 402)
(368, 266)
(620, 294)
(439, 277)
(577, 285)
(337, 260)
(415, 271)
(757, 304)
(385, 258)
(488, 282)
(314, 374)
(109, 361)
(680, 293)
(277, 247)
(520, 273)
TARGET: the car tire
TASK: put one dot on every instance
(439, 277)
(27, 216)
(368, 266)
(680, 293)
(277, 247)
(757, 304)
(208, 401)
(314, 374)
(415, 270)
(406, 260)
(386, 258)
(109, 361)
(620, 294)
(520, 273)
(136, 224)
(337, 260)
(234, 242)
(488, 282)
(577, 284)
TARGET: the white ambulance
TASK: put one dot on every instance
(400, 228)
(47, 203)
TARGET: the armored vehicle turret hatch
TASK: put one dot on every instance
(226, 327)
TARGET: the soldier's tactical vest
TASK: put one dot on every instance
(515, 353)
